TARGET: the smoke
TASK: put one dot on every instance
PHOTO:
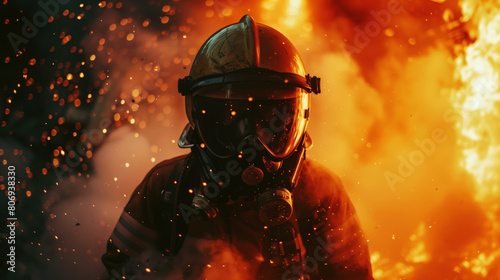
(136, 53)
(131, 69)
(367, 143)
(198, 259)
(384, 123)
(84, 212)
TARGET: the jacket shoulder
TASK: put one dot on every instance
(146, 200)
(320, 187)
(165, 167)
(317, 181)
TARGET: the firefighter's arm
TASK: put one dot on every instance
(339, 240)
(137, 229)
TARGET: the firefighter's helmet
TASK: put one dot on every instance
(248, 83)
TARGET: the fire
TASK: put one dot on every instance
(478, 101)
(418, 253)
(287, 16)
(135, 59)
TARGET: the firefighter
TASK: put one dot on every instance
(246, 181)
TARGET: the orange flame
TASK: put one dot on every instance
(478, 100)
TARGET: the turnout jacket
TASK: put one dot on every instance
(333, 245)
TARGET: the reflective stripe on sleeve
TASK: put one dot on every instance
(133, 237)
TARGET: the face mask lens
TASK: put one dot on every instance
(225, 117)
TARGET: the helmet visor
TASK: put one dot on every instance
(226, 117)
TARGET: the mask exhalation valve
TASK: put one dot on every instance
(252, 175)
(275, 206)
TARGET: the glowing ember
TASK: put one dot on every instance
(81, 77)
